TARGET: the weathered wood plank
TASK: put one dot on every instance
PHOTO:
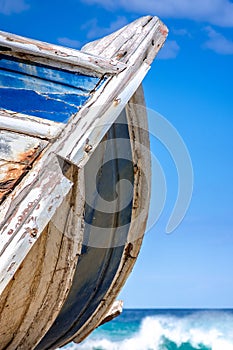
(99, 47)
(122, 44)
(122, 50)
(15, 297)
(32, 126)
(153, 32)
(30, 218)
(38, 51)
(19, 148)
(60, 254)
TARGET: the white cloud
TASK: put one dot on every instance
(218, 43)
(169, 50)
(218, 12)
(181, 32)
(94, 30)
(69, 42)
(7, 7)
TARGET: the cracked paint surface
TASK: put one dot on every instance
(42, 91)
(17, 153)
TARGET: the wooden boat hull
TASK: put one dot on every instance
(64, 258)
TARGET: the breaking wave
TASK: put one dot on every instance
(201, 330)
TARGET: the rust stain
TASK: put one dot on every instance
(32, 231)
(163, 30)
(28, 156)
(12, 171)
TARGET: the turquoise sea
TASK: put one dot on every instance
(182, 329)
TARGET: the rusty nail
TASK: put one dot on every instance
(87, 147)
(116, 101)
(33, 232)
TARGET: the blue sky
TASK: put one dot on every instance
(191, 85)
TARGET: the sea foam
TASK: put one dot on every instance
(200, 330)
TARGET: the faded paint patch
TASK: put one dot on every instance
(17, 153)
(43, 91)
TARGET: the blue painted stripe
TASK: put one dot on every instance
(42, 91)
(19, 81)
(73, 79)
(49, 106)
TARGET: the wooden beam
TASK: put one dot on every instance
(141, 39)
(26, 124)
(59, 56)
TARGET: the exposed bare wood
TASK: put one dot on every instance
(17, 153)
(114, 311)
(37, 50)
(26, 124)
